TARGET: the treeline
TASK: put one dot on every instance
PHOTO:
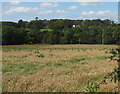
(60, 31)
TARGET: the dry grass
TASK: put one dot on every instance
(65, 68)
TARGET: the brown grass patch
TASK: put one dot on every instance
(65, 68)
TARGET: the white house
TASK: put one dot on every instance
(76, 26)
(73, 26)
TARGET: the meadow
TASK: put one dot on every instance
(56, 68)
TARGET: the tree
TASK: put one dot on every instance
(94, 31)
(12, 35)
(33, 37)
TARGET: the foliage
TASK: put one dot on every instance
(60, 31)
(92, 87)
(115, 76)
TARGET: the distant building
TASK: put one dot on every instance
(73, 26)
(76, 26)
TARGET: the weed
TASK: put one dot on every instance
(75, 60)
(83, 63)
(40, 55)
(115, 55)
(24, 56)
(36, 52)
(92, 87)
(31, 68)
(78, 85)
(8, 68)
(53, 64)
(13, 56)
(58, 65)
(48, 64)
(51, 54)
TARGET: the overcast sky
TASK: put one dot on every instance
(14, 11)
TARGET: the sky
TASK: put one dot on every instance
(14, 11)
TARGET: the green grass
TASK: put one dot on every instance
(48, 29)
(78, 85)
(58, 64)
(29, 68)
(49, 64)
(75, 60)
(11, 56)
(25, 68)
(102, 57)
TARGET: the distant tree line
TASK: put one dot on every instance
(60, 31)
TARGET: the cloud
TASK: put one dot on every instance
(87, 13)
(64, 0)
(46, 12)
(94, 14)
(46, 4)
(20, 10)
(88, 1)
(61, 12)
(88, 4)
(15, 2)
(72, 7)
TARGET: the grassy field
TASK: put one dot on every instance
(48, 29)
(56, 68)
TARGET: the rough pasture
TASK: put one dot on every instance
(56, 68)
